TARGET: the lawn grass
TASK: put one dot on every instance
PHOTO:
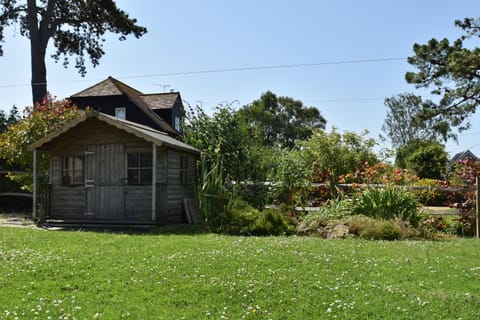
(88, 275)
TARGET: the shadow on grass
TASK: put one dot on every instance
(16, 219)
(180, 229)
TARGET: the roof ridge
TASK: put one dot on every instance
(137, 99)
(160, 93)
(122, 86)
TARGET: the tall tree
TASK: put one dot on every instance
(77, 27)
(427, 158)
(452, 70)
(12, 118)
(281, 121)
(221, 137)
(403, 125)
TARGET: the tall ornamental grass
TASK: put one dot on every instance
(213, 195)
(389, 202)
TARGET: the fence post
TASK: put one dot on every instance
(477, 200)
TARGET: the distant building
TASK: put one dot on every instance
(160, 111)
(467, 154)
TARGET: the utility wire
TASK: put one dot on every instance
(207, 71)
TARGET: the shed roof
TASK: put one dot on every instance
(144, 132)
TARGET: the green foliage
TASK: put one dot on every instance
(76, 27)
(292, 178)
(379, 173)
(429, 160)
(402, 124)
(379, 229)
(324, 221)
(430, 196)
(388, 203)
(270, 222)
(38, 122)
(313, 221)
(336, 154)
(337, 208)
(246, 220)
(281, 121)
(12, 118)
(464, 175)
(213, 195)
(224, 137)
(451, 69)
(5, 121)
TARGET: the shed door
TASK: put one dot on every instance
(104, 177)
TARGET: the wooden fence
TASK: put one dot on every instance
(356, 185)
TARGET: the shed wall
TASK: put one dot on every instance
(177, 191)
(70, 202)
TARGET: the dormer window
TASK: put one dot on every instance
(121, 112)
(177, 124)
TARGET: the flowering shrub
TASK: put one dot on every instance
(463, 176)
(379, 173)
(37, 122)
(430, 195)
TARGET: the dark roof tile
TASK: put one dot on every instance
(160, 100)
(108, 87)
(112, 87)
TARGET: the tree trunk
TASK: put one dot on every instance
(39, 72)
(39, 35)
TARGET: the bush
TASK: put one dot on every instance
(356, 224)
(338, 208)
(328, 216)
(373, 229)
(430, 197)
(388, 203)
(381, 230)
(312, 222)
(246, 220)
(258, 195)
(270, 222)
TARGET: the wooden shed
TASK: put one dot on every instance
(105, 170)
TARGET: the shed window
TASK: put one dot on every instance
(139, 167)
(72, 170)
(184, 170)
(121, 113)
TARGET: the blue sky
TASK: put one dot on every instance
(188, 35)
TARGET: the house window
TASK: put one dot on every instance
(139, 168)
(120, 112)
(177, 124)
(184, 171)
(72, 170)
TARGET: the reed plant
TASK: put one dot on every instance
(213, 194)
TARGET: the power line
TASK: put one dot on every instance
(254, 68)
(284, 66)
(345, 100)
